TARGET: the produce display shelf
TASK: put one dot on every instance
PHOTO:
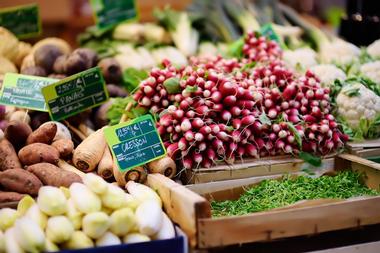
(312, 217)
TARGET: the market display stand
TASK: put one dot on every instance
(366, 148)
(192, 211)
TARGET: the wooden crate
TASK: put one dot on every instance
(303, 218)
(365, 148)
(249, 168)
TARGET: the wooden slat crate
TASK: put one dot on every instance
(303, 218)
(249, 168)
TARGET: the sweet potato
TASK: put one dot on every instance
(65, 147)
(8, 156)
(43, 134)
(21, 181)
(50, 174)
(17, 132)
(37, 153)
(6, 197)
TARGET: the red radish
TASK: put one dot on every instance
(161, 130)
(245, 112)
(189, 135)
(251, 150)
(205, 130)
(314, 103)
(145, 101)
(268, 103)
(177, 128)
(190, 114)
(246, 104)
(272, 136)
(308, 118)
(202, 110)
(289, 92)
(276, 128)
(148, 91)
(198, 137)
(228, 88)
(215, 129)
(288, 149)
(235, 136)
(197, 158)
(216, 96)
(248, 120)
(166, 120)
(216, 143)
(197, 123)
(165, 103)
(280, 144)
(325, 128)
(184, 105)
(291, 139)
(222, 136)
(210, 153)
(178, 114)
(206, 93)
(202, 146)
(282, 134)
(172, 150)
(182, 144)
(284, 105)
(319, 93)
(185, 125)
(260, 143)
(333, 124)
(209, 84)
(294, 118)
(169, 129)
(233, 146)
(226, 115)
(235, 111)
(314, 127)
(229, 100)
(257, 126)
(329, 144)
(236, 123)
(311, 136)
(316, 112)
(218, 107)
(272, 113)
(187, 163)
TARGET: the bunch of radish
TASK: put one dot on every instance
(220, 109)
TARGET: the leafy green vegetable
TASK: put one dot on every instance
(297, 135)
(172, 85)
(270, 194)
(117, 109)
(132, 78)
(310, 158)
(263, 118)
(235, 49)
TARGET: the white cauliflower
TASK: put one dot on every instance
(304, 57)
(372, 71)
(356, 102)
(374, 49)
(339, 52)
(328, 73)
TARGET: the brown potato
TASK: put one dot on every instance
(8, 156)
(21, 181)
(50, 174)
(37, 153)
(65, 147)
(43, 134)
(6, 197)
(17, 132)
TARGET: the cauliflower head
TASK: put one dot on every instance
(374, 49)
(372, 71)
(328, 73)
(304, 57)
(339, 52)
(356, 102)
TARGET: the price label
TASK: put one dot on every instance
(268, 31)
(135, 143)
(75, 94)
(24, 91)
(109, 13)
(24, 21)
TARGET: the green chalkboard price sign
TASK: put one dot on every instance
(109, 13)
(75, 94)
(24, 21)
(135, 143)
(24, 91)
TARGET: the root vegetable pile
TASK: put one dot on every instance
(220, 109)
